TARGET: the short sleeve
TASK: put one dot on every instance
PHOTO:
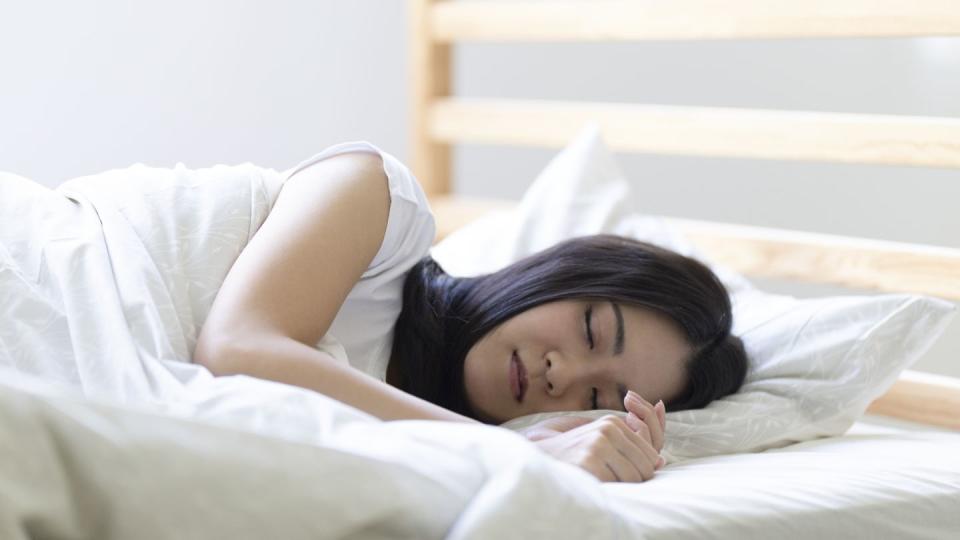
(411, 227)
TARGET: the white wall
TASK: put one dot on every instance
(88, 86)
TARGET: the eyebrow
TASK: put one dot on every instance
(618, 350)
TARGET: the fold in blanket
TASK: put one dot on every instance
(105, 282)
(137, 253)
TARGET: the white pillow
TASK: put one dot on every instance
(815, 364)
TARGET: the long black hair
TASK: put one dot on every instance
(443, 315)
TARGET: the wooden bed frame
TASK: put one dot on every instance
(440, 120)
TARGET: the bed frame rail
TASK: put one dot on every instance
(637, 20)
(780, 253)
(702, 131)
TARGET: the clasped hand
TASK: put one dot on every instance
(611, 448)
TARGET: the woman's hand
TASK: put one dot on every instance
(648, 420)
(610, 448)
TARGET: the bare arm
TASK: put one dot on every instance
(286, 287)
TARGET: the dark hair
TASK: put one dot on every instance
(443, 315)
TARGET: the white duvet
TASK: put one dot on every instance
(103, 291)
(104, 284)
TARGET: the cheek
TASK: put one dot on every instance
(482, 380)
(475, 377)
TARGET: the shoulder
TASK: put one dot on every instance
(411, 225)
(295, 273)
(358, 173)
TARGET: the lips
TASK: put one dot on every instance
(518, 377)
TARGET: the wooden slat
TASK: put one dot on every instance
(922, 397)
(854, 262)
(704, 131)
(635, 20)
(429, 79)
(758, 251)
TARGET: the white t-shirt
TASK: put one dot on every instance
(362, 332)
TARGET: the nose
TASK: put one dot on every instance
(566, 373)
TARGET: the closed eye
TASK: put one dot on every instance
(587, 316)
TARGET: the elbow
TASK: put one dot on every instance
(215, 354)
(227, 353)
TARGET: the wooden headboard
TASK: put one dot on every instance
(440, 120)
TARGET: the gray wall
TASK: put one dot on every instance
(86, 87)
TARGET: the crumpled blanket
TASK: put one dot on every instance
(107, 430)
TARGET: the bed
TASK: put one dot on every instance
(760, 502)
(440, 120)
(177, 453)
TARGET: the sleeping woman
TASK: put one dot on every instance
(599, 322)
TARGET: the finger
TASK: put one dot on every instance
(632, 404)
(633, 422)
(603, 472)
(643, 445)
(662, 413)
(636, 425)
(634, 446)
(599, 468)
(618, 438)
(645, 412)
(635, 402)
(639, 427)
(644, 416)
(625, 469)
(638, 453)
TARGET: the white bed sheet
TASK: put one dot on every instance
(882, 479)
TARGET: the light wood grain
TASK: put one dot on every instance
(429, 80)
(636, 20)
(779, 253)
(703, 131)
(922, 397)
(841, 260)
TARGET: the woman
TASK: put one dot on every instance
(573, 327)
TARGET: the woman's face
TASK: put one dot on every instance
(553, 344)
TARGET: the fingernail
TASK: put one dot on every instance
(660, 404)
(660, 461)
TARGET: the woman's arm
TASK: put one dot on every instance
(288, 361)
(284, 290)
